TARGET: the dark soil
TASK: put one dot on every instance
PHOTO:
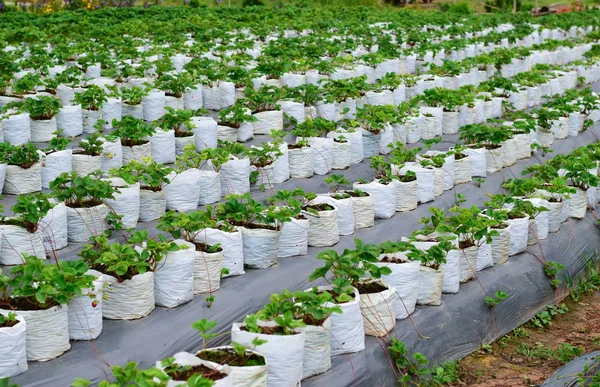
(357, 193)
(296, 146)
(9, 324)
(183, 376)
(129, 142)
(230, 357)
(340, 196)
(506, 363)
(149, 188)
(205, 247)
(276, 330)
(83, 152)
(389, 259)
(491, 146)
(516, 216)
(86, 204)
(465, 244)
(370, 288)
(183, 133)
(255, 226)
(459, 156)
(406, 179)
(500, 226)
(29, 303)
(320, 207)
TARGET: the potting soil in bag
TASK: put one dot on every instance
(501, 245)
(267, 121)
(136, 152)
(405, 279)
(510, 152)
(407, 198)
(111, 110)
(174, 276)
(54, 228)
(135, 111)
(322, 152)
(384, 197)
(16, 241)
(364, 211)
(347, 328)
(478, 161)
(495, 159)
(399, 132)
(281, 165)
(522, 146)
(341, 155)
(386, 138)
(317, 349)
(192, 99)
(555, 210)
(261, 247)
(205, 132)
(293, 109)
(577, 203)
(126, 202)
(90, 119)
(235, 176)
(232, 245)
(323, 228)
(112, 154)
(430, 286)
(462, 170)
(379, 310)
(163, 146)
(207, 271)
(47, 332)
(284, 354)
(468, 263)
(188, 359)
(450, 123)
(484, 256)
(371, 143)
(413, 129)
(183, 191)
(82, 223)
(16, 128)
(541, 219)
(326, 110)
(85, 313)
(246, 376)
(228, 133)
(154, 105)
(345, 212)
(130, 299)
(13, 357)
(21, 181)
(152, 205)
(210, 187)
(518, 235)
(54, 164)
(174, 102)
(84, 165)
(451, 269)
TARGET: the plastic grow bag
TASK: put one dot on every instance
(174, 276)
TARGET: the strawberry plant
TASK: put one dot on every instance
(81, 191)
(133, 131)
(151, 175)
(92, 98)
(42, 107)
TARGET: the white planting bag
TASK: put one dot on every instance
(501, 245)
(261, 247)
(2, 176)
(41, 130)
(126, 202)
(192, 99)
(82, 223)
(293, 238)
(85, 313)
(510, 152)
(522, 146)
(233, 248)
(205, 132)
(21, 181)
(555, 210)
(84, 165)
(267, 121)
(284, 354)
(468, 263)
(17, 129)
(249, 376)
(430, 286)
(322, 154)
(281, 165)
(341, 155)
(188, 359)
(405, 279)
(577, 204)
(478, 161)
(413, 129)
(541, 220)
(235, 176)
(345, 212)
(111, 110)
(317, 349)
(112, 154)
(364, 211)
(425, 180)
(182, 142)
(518, 235)
(163, 146)
(407, 197)
(462, 170)
(13, 357)
(484, 256)
(229, 134)
(183, 191)
(495, 159)
(207, 271)
(294, 109)
(174, 276)
(47, 332)
(54, 228)
(135, 111)
(90, 119)
(136, 152)
(384, 196)
(16, 241)
(174, 102)
(450, 123)
(210, 187)
(152, 205)
(154, 105)
(347, 328)
(53, 164)
(386, 137)
(451, 269)
(130, 299)
(323, 228)
(379, 311)
(301, 162)
(371, 143)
